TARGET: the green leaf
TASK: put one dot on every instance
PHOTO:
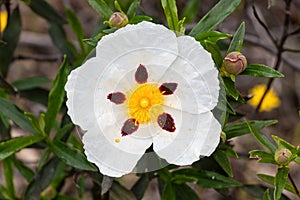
(102, 8)
(215, 16)
(297, 160)
(237, 40)
(230, 88)
(270, 180)
(267, 195)
(168, 192)
(13, 145)
(183, 191)
(139, 18)
(263, 156)
(44, 157)
(131, 12)
(41, 180)
(263, 140)
(170, 10)
(59, 38)
(10, 40)
(182, 178)
(9, 177)
(260, 70)
(46, 11)
(215, 52)
(212, 36)
(26, 172)
(242, 128)
(222, 159)
(209, 179)
(190, 11)
(71, 156)
(30, 83)
(76, 27)
(280, 181)
(140, 186)
(12, 112)
(121, 192)
(56, 96)
(37, 95)
(284, 144)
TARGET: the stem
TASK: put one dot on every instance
(280, 48)
(294, 185)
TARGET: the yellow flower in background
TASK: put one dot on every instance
(270, 101)
(3, 20)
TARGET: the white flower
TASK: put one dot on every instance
(145, 86)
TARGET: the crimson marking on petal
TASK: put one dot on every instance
(129, 126)
(168, 88)
(117, 97)
(141, 74)
(166, 122)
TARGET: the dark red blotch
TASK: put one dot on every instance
(129, 126)
(166, 122)
(117, 97)
(141, 74)
(168, 88)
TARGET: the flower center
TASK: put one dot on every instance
(144, 103)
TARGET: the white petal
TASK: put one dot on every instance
(195, 135)
(113, 158)
(197, 78)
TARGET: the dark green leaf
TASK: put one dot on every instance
(230, 88)
(168, 192)
(64, 197)
(56, 96)
(191, 10)
(10, 40)
(262, 156)
(59, 38)
(280, 181)
(121, 192)
(263, 140)
(183, 191)
(242, 128)
(270, 180)
(170, 10)
(212, 36)
(267, 195)
(132, 9)
(41, 180)
(102, 8)
(13, 145)
(140, 186)
(260, 70)
(71, 156)
(12, 112)
(76, 27)
(9, 177)
(215, 16)
(237, 40)
(46, 11)
(222, 159)
(37, 95)
(30, 83)
(215, 52)
(182, 178)
(26, 172)
(63, 131)
(209, 179)
(139, 18)
(284, 144)
(44, 157)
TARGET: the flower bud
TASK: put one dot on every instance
(234, 63)
(282, 156)
(118, 20)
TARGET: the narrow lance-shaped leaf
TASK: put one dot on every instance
(267, 195)
(30, 83)
(14, 145)
(170, 10)
(230, 88)
(215, 16)
(12, 112)
(270, 180)
(56, 96)
(183, 191)
(45, 10)
(237, 40)
(222, 159)
(71, 156)
(263, 140)
(9, 177)
(26, 172)
(168, 192)
(260, 70)
(102, 8)
(280, 181)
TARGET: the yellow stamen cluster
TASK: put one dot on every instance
(144, 103)
(3, 20)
